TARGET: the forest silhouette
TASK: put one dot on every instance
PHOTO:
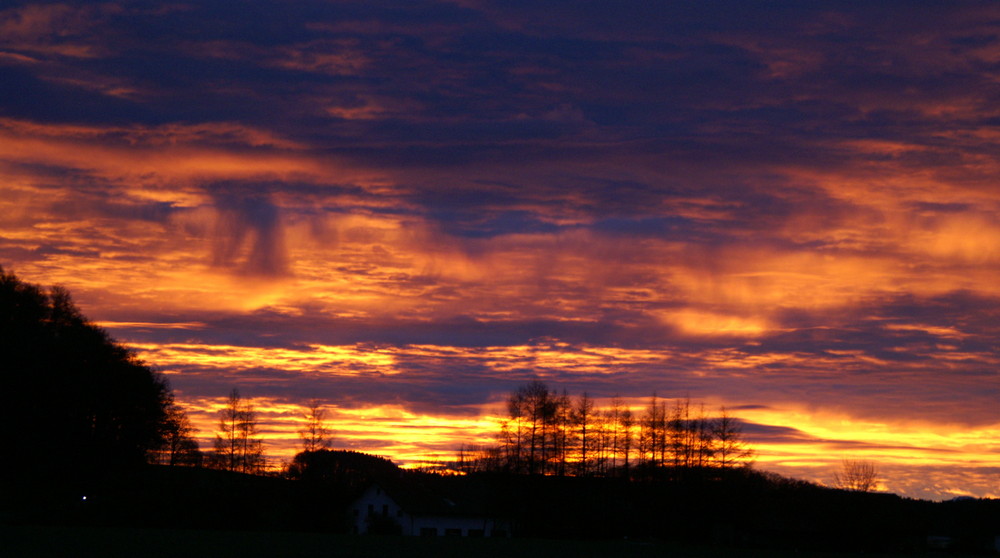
(95, 438)
(84, 406)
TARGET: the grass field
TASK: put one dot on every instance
(82, 542)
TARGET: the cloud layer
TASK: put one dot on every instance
(408, 210)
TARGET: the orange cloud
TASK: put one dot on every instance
(52, 29)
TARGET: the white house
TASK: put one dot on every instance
(416, 511)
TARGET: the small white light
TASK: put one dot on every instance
(84, 497)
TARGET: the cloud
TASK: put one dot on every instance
(411, 209)
(52, 29)
(248, 228)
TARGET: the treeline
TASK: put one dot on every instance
(550, 433)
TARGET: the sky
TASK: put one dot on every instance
(406, 210)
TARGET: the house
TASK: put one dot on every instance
(413, 510)
(939, 542)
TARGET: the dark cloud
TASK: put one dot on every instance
(248, 232)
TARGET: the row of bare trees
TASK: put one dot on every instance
(543, 433)
(546, 432)
(238, 445)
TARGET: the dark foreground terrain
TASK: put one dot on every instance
(108, 542)
(181, 511)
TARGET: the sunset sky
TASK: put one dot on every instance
(408, 209)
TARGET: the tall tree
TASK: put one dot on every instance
(647, 433)
(681, 435)
(627, 438)
(538, 405)
(612, 419)
(179, 446)
(237, 447)
(703, 438)
(512, 433)
(654, 433)
(563, 418)
(583, 418)
(730, 447)
(315, 434)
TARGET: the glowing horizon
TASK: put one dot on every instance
(417, 440)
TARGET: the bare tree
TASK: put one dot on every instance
(678, 433)
(531, 435)
(563, 417)
(315, 434)
(627, 439)
(651, 432)
(730, 448)
(613, 420)
(512, 433)
(857, 475)
(237, 447)
(583, 418)
(703, 438)
(540, 411)
(179, 445)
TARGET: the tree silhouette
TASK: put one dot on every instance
(315, 434)
(627, 424)
(534, 405)
(730, 447)
(856, 475)
(561, 433)
(237, 447)
(652, 435)
(583, 418)
(179, 446)
(348, 469)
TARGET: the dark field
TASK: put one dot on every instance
(82, 542)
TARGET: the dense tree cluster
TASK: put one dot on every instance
(72, 398)
(549, 433)
(349, 469)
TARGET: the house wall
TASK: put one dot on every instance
(456, 526)
(376, 503)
